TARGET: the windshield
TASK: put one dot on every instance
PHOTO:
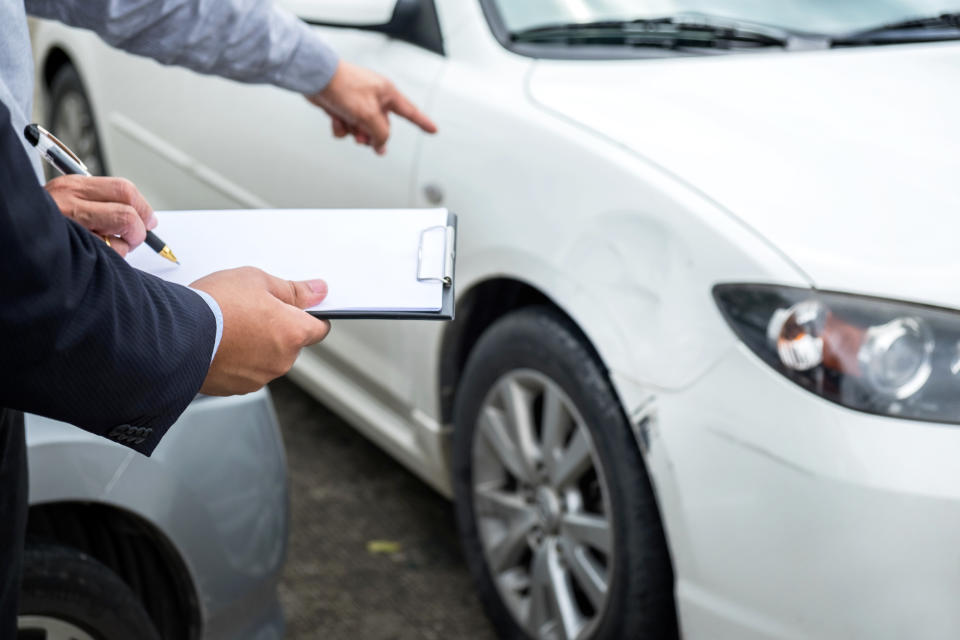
(829, 17)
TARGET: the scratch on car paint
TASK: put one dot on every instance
(117, 474)
(643, 423)
(760, 450)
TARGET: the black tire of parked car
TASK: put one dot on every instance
(70, 586)
(641, 604)
(66, 84)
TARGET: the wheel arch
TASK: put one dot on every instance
(55, 59)
(133, 548)
(483, 304)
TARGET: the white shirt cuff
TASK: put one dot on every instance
(217, 314)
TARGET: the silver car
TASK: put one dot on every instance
(186, 544)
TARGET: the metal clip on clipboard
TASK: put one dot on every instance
(445, 272)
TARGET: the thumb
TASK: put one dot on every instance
(301, 294)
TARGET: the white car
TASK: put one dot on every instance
(704, 376)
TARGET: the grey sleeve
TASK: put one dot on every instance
(246, 40)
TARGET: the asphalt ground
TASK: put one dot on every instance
(374, 553)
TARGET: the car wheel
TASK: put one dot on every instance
(70, 118)
(556, 512)
(67, 595)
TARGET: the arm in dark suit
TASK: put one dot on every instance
(85, 338)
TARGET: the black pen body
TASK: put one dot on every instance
(154, 242)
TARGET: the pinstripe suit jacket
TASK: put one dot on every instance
(84, 338)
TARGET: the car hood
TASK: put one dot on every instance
(847, 161)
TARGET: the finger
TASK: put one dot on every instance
(405, 109)
(298, 329)
(112, 218)
(120, 190)
(314, 329)
(340, 129)
(377, 127)
(68, 183)
(301, 294)
(361, 137)
(119, 245)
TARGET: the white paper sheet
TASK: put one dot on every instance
(367, 257)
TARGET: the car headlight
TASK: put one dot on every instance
(879, 356)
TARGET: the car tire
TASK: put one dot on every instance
(68, 594)
(70, 118)
(535, 356)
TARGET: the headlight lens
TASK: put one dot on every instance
(879, 356)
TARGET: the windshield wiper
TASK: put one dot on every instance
(945, 26)
(670, 33)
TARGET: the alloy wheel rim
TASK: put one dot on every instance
(74, 127)
(542, 507)
(49, 628)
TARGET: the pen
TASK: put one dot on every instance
(67, 162)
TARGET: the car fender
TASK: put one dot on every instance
(215, 487)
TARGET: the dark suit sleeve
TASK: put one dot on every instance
(85, 338)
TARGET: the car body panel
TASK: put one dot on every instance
(826, 180)
(215, 488)
(785, 497)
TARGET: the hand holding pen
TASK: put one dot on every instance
(112, 208)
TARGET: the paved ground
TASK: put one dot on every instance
(346, 493)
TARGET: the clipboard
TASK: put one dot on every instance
(378, 263)
(425, 273)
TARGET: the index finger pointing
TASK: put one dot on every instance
(405, 109)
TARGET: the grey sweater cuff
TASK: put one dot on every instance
(312, 64)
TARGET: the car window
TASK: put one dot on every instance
(810, 16)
